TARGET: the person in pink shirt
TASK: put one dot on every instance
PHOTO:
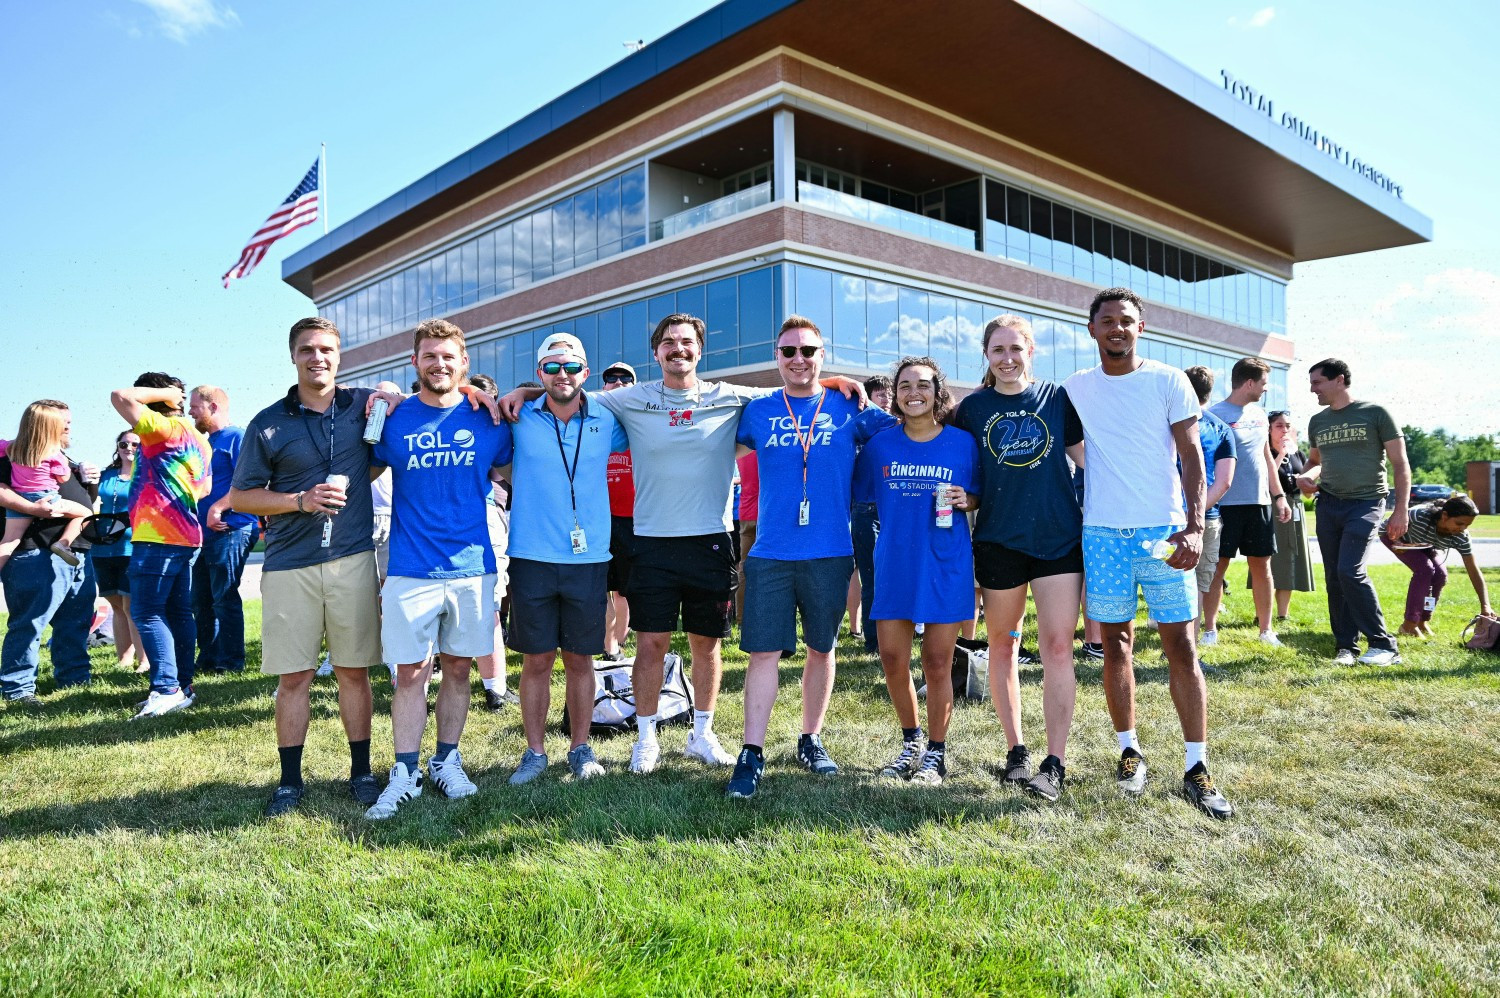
(37, 469)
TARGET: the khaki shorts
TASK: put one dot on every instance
(1208, 561)
(299, 606)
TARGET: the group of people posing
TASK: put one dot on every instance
(982, 493)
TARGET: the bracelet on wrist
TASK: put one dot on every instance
(298, 499)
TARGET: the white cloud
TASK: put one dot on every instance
(1259, 19)
(179, 20)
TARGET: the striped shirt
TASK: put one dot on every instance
(1422, 531)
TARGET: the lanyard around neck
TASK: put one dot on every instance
(572, 472)
(812, 426)
(333, 406)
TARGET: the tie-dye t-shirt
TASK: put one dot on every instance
(172, 472)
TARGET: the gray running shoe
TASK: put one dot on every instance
(533, 764)
(582, 763)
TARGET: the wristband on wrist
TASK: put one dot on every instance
(298, 498)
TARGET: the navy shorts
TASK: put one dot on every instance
(113, 575)
(776, 591)
(556, 606)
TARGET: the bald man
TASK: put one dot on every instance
(227, 539)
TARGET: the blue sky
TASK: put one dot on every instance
(146, 139)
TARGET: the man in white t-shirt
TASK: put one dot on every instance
(1139, 418)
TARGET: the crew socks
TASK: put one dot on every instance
(494, 684)
(1128, 740)
(941, 748)
(444, 750)
(291, 766)
(407, 759)
(1196, 752)
(703, 720)
(646, 725)
(909, 735)
(359, 759)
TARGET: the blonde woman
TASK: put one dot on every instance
(37, 469)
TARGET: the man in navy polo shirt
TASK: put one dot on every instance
(439, 594)
(559, 555)
(227, 539)
(804, 438)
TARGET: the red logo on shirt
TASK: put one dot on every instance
(679, 417)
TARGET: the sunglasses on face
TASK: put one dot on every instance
(556, 367)
(807, 350)
(618, 379)
(127, 445)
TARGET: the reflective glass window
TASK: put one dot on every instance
(968, 328)
(541, 244)
(849, 328)
(721, 316)
(913, 328)
(812, 297)
(609, 217)
(636, 330)
(469, 272)
(884, 322)
(562, 236)
(1120, 257)
(486, 274)
(1083, 246)
(1062, 239)
(1155, 270)
(1041, 232)
(611, 347)
(585, 228)
(1103, 253)
(1017, 225)
(520, 231)
(505, 259)
(633, 208)
(759, 314)
(942, 332)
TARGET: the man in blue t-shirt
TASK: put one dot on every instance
(804, 440)
(439, 594)
(227, 539)
(1217, 440)
(560, 547)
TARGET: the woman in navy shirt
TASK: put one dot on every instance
(1029, 534)
(922, 555)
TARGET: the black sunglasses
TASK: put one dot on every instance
(554, 367)
(126, 443)
(808, 350)
(618, 379)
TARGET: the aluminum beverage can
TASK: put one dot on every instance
(376, 421)
(944, 507)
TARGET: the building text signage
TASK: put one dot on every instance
(1252, 97)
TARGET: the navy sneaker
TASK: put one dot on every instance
(812, 754)
(746, 778)
(283, 801)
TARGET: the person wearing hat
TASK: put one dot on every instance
(622, 527)
(560, 547)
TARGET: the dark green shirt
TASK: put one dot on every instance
(1351, 448)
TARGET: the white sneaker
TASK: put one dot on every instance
(1344, 656)
(1270, 638)
(325, 667)
(706, 748)
(1208, 639)
(1380, 656)
(402, 785)
(158, 704)
(644, 756)
(449, 776)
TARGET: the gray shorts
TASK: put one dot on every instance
(1208, 562)
(776, 591)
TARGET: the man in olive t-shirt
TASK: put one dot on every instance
(1350, 444)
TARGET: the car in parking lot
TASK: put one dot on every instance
(1428, 492)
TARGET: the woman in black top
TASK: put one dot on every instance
(1291, 565)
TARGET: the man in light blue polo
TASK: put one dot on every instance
(558, 452)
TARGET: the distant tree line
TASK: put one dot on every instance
(1440, 457)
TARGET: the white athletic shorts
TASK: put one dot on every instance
(423, 616)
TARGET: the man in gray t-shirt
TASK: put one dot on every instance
(1253, 498)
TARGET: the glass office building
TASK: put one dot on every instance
(768, 158)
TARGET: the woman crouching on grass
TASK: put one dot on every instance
(922, 475)
(1432, 526)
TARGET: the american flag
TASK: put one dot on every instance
(300, 208)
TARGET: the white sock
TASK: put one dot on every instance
(646, 725)
(494, 684)
(1196, 752)
(1128, 740)
(703, 720)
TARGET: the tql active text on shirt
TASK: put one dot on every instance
(436, 449)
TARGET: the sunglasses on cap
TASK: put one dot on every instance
(618, 378)
(557, 367)
(807, 349)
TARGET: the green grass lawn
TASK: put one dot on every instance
(1363, 860)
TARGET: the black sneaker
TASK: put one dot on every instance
(811, 754)
(1130, 773)
(1199, 788)
(497, 700)
(1017, 765)
(1026, 657)
(25, 700)
(746, 778)
(613, 656)
(284, 800)
(364, 789)
(1048, 782)
(1093, 649)
(905, 764)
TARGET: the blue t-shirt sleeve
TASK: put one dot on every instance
(1072, 425)
(380, 455)
(745, 433)
(505, 445)
(870, 422)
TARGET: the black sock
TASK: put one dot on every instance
(359, 759)
(291, 766)
(760, 753)
(938, 747)
(911, 734)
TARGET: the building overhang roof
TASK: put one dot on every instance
(1080, 90)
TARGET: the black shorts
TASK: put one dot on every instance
(1248, 530)
(688, 578)
(557, 606)
(999, 567)
(621, 541)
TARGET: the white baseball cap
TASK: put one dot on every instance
(564, 345)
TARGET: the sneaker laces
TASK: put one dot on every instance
(909, 753)
(931, 761)
(1129, 764)
(1204, 783)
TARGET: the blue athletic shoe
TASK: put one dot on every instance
(746, 778)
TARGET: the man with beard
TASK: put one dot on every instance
(439, 594)
(227, 539)
(560, 551)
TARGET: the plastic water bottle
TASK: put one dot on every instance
(1161, 550)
